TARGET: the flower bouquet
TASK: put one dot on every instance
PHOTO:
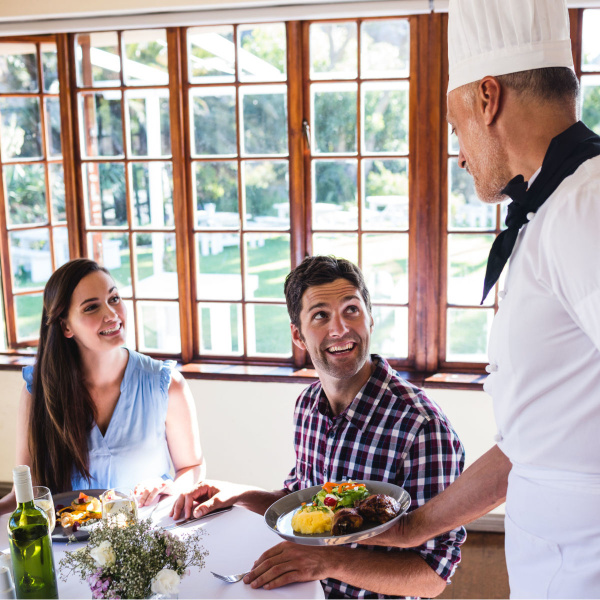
(135, 561)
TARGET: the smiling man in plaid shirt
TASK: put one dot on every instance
(359, 421)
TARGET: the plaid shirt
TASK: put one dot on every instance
(390, 432)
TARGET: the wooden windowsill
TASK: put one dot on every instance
(281, 374)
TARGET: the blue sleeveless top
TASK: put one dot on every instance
(134, 447)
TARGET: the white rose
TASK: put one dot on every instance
(166, 582)
(104, 555)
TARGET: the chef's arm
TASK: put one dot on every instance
(478, 490)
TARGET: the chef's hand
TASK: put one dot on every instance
(146, 491)
(289, 563)
(205, 497)
(402, 534)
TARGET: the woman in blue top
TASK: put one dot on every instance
(94, 414)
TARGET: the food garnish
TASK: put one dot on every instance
(81, 510)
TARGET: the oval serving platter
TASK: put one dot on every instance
(279, 516)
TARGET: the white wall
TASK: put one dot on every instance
(246, 428)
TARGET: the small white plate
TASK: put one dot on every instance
(279, 516)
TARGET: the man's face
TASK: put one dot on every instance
(480, 153)
(335, 328)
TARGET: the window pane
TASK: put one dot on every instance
(466, 211)
(590, 55)
(219, 267)
(30, 259)
(101, 124)
(18, 68)
(467, 260)
(57, 192)
(467, 334)
(385, 117)
(145, 57)
(221, 328)
(130, 325)
(216, 186)
(335, 194)
(156, 265)
(385, 265)
(29, 316)
(111, 250)
(149, 130)
(334, 117)
(50, 67)
(53, 127)
(264, 119)
(342, 245)
(590, 100)
(98, 61)
(211, 54)
(453, 147)
(333, 51)
(61, 245)
(262, 52)
(266, 189)
(158, 327)
(385, 194)
(152, 194)
(390, 332)
(268, 260)
(21, 128)
(213, 121)
(385, 47)
(26, 193)
(104, 189)
(268, 330)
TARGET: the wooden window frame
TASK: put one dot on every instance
(428, 179)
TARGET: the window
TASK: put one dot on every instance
(33, 216)
(201, 163)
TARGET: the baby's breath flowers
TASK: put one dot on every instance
(134, 561)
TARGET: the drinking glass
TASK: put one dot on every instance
(42, 498)
(119, 504)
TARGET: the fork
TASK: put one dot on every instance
(230, 578)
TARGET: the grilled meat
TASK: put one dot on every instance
(346, 520)
(379, 508)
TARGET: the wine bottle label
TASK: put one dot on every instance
(23, 487)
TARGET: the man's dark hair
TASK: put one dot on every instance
(318, 270)
(549, 83)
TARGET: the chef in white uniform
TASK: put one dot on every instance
(512, 101)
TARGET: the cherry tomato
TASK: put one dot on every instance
(329, 501)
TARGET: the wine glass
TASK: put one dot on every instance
(42, 498)
(120, 504)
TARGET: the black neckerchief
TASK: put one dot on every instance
(567, 151)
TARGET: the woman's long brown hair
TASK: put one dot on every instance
(62, 411)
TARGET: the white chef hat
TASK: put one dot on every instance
(496, 37)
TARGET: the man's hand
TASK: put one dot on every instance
(289, 563)
(205, 497)
(400, 535)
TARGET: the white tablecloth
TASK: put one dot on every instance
(234, 540)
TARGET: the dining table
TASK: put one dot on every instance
(233, 539)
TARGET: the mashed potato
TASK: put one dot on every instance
(310, 519)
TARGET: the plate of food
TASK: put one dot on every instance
(337, 513)
(76, 513)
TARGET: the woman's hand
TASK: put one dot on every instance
(146, 491)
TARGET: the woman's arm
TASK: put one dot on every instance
(8, 503)
(183, 439)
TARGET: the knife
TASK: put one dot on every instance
(192, 519)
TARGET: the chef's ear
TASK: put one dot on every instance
(66, 329)
(489, 93)
(297, 337)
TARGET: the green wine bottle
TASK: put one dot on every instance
(30, 543)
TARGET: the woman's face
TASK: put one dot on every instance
(97, 315)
